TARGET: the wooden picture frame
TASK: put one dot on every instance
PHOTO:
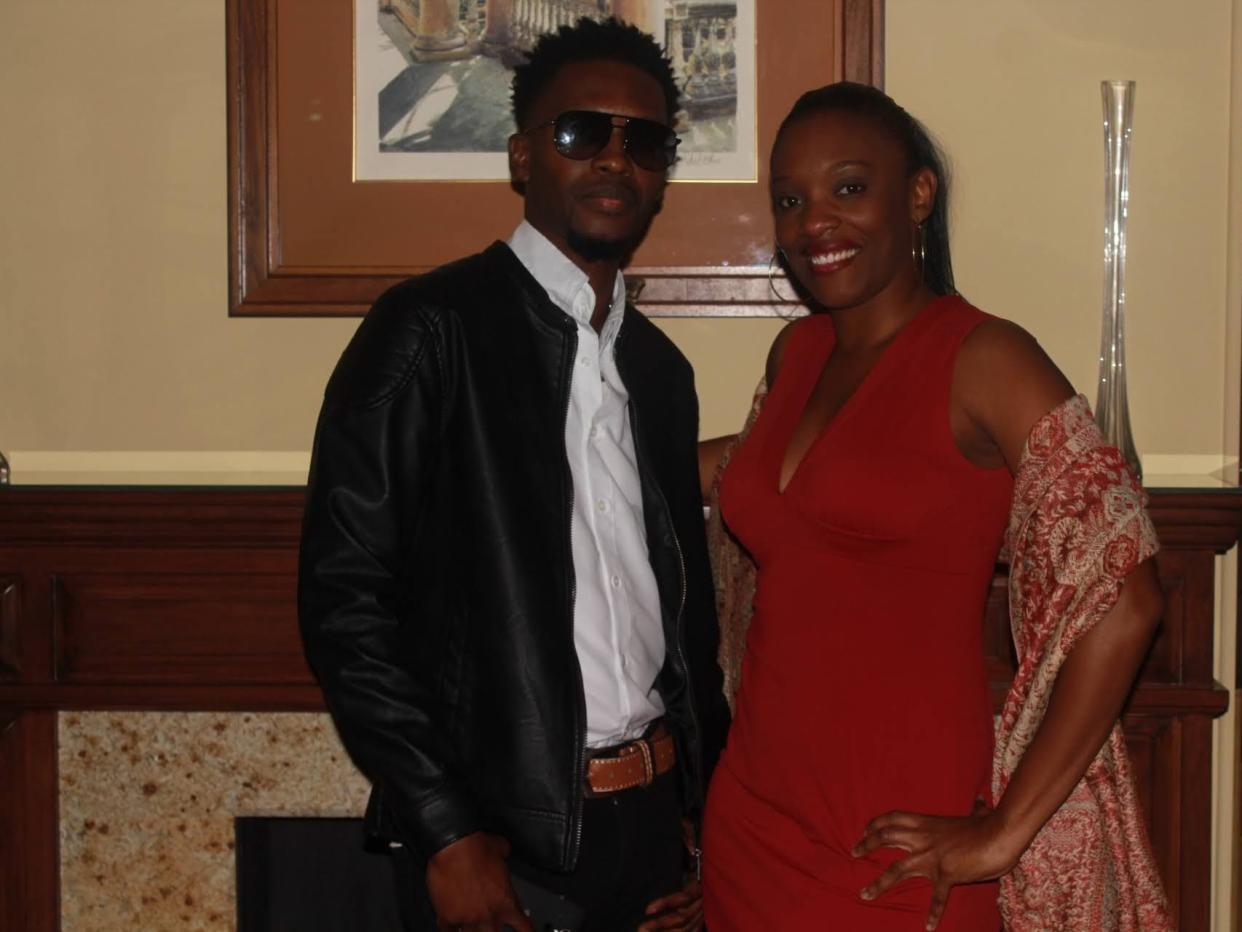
(306, 240)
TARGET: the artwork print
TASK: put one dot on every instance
(431, 82)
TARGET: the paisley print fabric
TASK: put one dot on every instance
(1076, 528)
(732, 568)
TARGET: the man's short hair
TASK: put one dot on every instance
(590, 40)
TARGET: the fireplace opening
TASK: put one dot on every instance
(311, 875)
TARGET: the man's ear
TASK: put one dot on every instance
(923, 185)
(519, 158)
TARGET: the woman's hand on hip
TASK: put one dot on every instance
(947, 850)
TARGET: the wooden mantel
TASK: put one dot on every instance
(183, 599)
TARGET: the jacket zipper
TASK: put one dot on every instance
(576, 788)
(697, 852)
(678, 629)
(677, 625)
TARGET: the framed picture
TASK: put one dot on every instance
(309, 235)
(431, 83)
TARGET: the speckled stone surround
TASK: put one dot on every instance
(147, 802)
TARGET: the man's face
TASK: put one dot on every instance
(597, 208)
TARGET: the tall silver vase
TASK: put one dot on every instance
(1112, 410)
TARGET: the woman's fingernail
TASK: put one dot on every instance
(866, 894)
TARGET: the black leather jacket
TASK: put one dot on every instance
(436, 582)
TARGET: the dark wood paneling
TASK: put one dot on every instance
(184, 600)
(132, 625)
(29, 853)
(1177, 654)
(998, 651)
(10, 609)
(1165, 661)
(1152, 741)
(1194, 892)
(1196, 520)
(152, 518)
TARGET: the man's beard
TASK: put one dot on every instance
(593, 249)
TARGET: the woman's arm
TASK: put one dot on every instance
(710, 453)
(1086, 701)
(1003, 384)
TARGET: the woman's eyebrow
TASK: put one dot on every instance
(835, 167)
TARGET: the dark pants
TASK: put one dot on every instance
(632, 853)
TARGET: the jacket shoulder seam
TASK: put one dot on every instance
(386, 395)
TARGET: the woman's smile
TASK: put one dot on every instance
(831, 257)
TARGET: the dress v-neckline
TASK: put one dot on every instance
(851, 400)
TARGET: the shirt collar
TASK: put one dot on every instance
(566, 284)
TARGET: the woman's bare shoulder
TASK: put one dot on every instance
(999, 355)
(1006, 382)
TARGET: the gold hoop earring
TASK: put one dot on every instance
(918, 248)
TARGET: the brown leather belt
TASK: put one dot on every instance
(635, 764)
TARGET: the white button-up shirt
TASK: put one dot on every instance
(618, 632)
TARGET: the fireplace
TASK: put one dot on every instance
(311, 875)
(150, 801)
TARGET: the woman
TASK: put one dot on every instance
(863, 787)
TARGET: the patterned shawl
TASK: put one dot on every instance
(732, 568)
(1076, 529)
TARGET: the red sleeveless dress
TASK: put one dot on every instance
(863, 686)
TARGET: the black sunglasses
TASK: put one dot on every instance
(584, 134)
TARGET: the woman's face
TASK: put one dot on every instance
(846, 207)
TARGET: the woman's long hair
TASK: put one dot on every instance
(921, 152)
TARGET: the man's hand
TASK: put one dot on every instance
(683, 910)
(469, 886)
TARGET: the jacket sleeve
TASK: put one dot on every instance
(702, 629)
(374, 452)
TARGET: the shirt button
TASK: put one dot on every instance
(585, 361)
(602, 506)
(594, 433)
(616, 581)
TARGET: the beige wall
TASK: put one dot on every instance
(1011, 87)
(113, 328)
(114, 332)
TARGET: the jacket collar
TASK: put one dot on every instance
(566, 285)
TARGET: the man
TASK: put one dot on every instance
(504, 588)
